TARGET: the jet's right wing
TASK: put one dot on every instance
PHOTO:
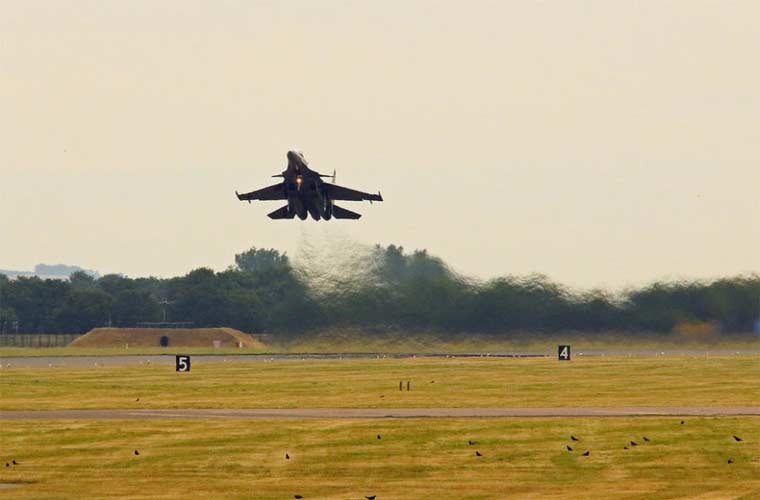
(274, 192)
(335, 192)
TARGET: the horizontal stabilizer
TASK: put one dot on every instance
(342, 213)
(281, 213)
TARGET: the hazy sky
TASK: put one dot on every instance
(604, 143)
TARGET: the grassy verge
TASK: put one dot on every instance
(11, 352)
(367, 383)
(414, 459)
(420, 342)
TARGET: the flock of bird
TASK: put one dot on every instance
(631, 443)
(634, 443)
(569, 448)
(478, 454)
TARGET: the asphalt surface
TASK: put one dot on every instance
(372, 413)
(141, 359)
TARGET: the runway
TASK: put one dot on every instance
(373, 413)
(168, 359)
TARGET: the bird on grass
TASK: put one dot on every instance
(478, 454)
(14, 462)
(371, 497)
(471, 442)
(573, 438)
(737, 439)
(645, 438)
(730, 461)
(287, 457)
(625, 447)
(137, 452)
(633, 443)
(568, 447)
(681, 422)
(378, 436)
(137, 400)
(297, 496)
(587, 454)
(7, 464)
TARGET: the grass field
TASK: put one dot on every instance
(435, 382)
(415, 459)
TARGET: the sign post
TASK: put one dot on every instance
(563, 353)
(182, 363)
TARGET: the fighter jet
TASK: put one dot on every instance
(307, 193)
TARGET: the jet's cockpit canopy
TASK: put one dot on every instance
(297, 155)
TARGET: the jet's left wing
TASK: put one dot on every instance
(341, 193)
(274, 192)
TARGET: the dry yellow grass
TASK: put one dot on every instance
(415, 459)
(435, 382)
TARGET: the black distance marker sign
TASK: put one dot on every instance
(563, 352)
(183, 363)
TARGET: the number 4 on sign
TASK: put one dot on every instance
(183, 363)
(563, 353)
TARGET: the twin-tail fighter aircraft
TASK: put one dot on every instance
(307, 193)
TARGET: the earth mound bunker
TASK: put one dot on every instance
(173, 337)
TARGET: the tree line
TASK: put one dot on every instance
(393, 289)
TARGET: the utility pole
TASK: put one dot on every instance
(164, 303)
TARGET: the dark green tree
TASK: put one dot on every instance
(82, 310)
(258, 260)
(80, 279)
(132, 306)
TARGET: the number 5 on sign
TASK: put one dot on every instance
(563, 353)
(183, 363)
